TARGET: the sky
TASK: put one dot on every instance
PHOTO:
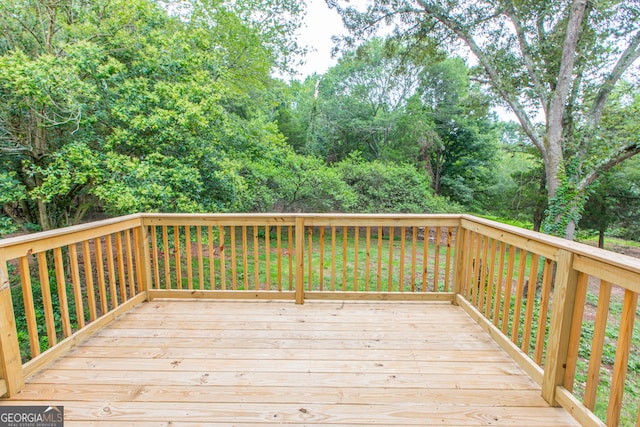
(320, 24)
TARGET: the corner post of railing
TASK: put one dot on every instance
(459, 262)
(564, 296)
(143, 256)
(10, 361)
(299, 231)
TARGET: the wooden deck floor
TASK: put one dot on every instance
(187, 363)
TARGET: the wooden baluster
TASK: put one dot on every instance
(299, 260)
(62, 292)
(165, 258)
(333, 258)
(310, 260)
(321, 258)
(279, 259)
(576, 331)
(102, 288)
(212, 258)
(155, 258)
(436, 262)
(403, 232)
(499, 284)
(447, 265)
(200, 255)
(379, 266)
(531, 296)
(267, 256)
(29, 308)
(564, 299)
(187, 248)
(77, 287)
(10, 362)
(390, 272)
(367, 268)
(88, 278)
(597, 345)
(223, 261)
(356, 239)
(414, 241)
(45, 288)
(234, 266)
(491, 279)
(345, 235)
(623, 348)
(511, 261)
(111, 272)
(256, 259)
(178, 255)
(290, 243)
(515, 327)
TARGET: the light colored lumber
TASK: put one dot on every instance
(564, 297)
(419, 414)
(227, 294)
(620, 275)
(597, 345)
(47, 306)
(37, 363)
(503, 341)
(35, 243)
(623, 347)
(29, 310)
(585, 417)
(576, 331)
(11, 371)
(299, 232)
(380, 296)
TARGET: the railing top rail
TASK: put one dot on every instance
(36, 242)
(292, 216)
(611, 258)
(18, 246)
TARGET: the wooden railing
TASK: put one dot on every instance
(528, 290)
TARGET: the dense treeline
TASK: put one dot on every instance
(116, 106)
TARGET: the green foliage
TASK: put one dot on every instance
(290, 182)
(389, 187)
(122, 106)
(564, 208)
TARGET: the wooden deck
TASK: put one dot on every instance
(188, 362)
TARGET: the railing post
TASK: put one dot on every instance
(10, 361)
(299, 230)
(459, 262)
(143, 257)
(564, 296)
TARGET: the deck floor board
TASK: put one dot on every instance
(242, 363)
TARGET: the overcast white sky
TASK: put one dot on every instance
(320, 24)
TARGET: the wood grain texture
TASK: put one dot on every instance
(337, 363)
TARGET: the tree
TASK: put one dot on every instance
(119, 105)
(391, 187)
(558, 59)
(614, 204)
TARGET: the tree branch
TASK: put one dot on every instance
(491, 71)
(622, 154)
(526, 56)
(565, 75)
(630, 55)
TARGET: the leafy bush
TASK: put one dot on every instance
(391, 187)
(290, 182)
